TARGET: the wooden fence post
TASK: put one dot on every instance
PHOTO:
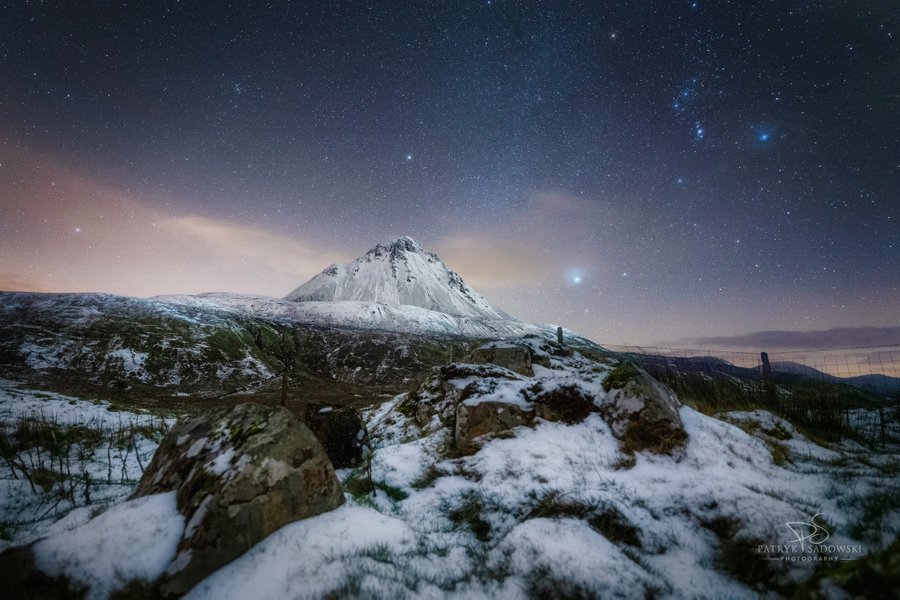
(768, 378)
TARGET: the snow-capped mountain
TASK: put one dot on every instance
(387, 317)
(399, 273)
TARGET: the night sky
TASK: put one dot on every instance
(637, 171)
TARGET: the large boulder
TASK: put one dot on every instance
(510, 356)
(240, 474)
(642, 412)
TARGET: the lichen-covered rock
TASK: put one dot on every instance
(642, 412)
(437, 398)
(240, 474)
(476, 422)
(510, 356)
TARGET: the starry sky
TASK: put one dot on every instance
(637, 171)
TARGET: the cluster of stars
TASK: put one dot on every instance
(666, 131)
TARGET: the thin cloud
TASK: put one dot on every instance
(842, 337)
(79, 234)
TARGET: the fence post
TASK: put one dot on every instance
(559, 336)
(768, 378)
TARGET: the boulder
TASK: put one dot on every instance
(440, 394)
(642, 412)
(564, 403)
(478, 422)
(239, 473)
(341, 432)
(513, 357)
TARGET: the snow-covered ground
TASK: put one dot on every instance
(505, 522)
(111, 446)
(362, 315)
(550, 510)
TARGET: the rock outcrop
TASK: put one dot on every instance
(477, 402)
(511, 356)
(499, 391)
(240, 474)
(477, 421)
(642, 412)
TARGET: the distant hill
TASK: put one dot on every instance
(881, 385)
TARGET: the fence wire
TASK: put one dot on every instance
(832, 394)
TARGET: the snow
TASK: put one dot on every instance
(222, 462)
(398, 273)
(134, 540)
(725, 473)
(575, 554)
(484, 526)
(57, 331)
(132, 360)
(363, 315)
(113, 469)
(310, 558)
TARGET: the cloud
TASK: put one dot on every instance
(80, 234)
(264, 249)
(842, 337)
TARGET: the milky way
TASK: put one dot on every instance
(638, 171)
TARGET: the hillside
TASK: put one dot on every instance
(218, 344)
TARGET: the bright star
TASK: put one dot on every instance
(409, 157)
(78, 230)
(575, 276)
(764, 137)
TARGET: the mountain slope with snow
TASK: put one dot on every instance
(368, 316)
(398, 273)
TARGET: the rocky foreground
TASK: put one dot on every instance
(526, 470)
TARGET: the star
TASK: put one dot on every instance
(409, 157)
(699, 132)
(575, 276)
(763, 137)
(78, 230)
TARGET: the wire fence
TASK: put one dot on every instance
(832, 394)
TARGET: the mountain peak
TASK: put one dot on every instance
(400, 272)
(407, 244)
